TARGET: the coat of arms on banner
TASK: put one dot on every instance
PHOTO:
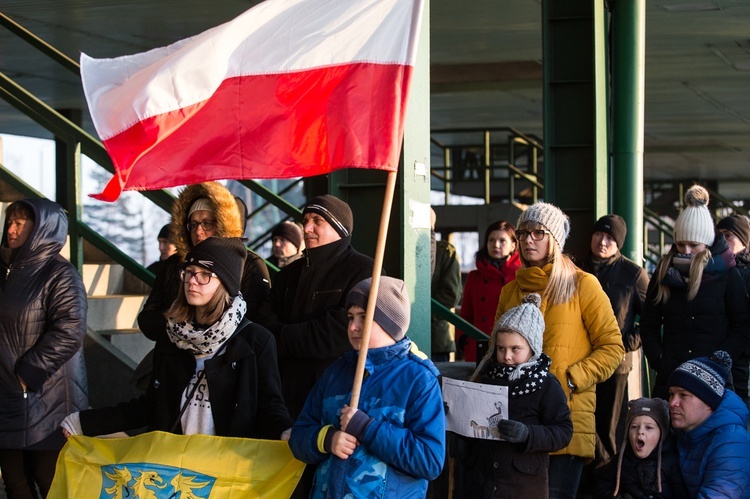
(146, 480)
(474, 409)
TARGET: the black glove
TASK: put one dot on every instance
(513, 431)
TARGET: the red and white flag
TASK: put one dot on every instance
(290, 88)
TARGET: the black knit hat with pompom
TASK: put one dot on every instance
(704, 377)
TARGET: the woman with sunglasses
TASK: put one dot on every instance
(215, 372)
(581, 335)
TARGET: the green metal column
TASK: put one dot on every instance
(628, 76)
(575, 113)
(73, 196)
(407, 252)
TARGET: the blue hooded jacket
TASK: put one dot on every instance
(404, 445)
(715, 456)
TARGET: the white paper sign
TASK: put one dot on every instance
(474, 409)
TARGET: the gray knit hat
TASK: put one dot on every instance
(551, 217)
(527, 320)
(703, 377)
(392, 308)
(335, 211)
(201, 204)
(695, 223)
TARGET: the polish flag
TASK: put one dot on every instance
(290, 88)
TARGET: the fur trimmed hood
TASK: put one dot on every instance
(228, 222)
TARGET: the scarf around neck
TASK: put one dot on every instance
(530, 376)
(198, 341)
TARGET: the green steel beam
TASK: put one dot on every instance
(118, 256)
(445, 313)
(73, 203)
(40, 44)
(575, 116)
(272, 198)
(628, 83)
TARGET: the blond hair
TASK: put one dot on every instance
(697, 263)
(562, 278)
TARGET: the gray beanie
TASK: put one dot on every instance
(695, 223)
(392, 308)
(527, 320)
(551, 217)
(201, 204)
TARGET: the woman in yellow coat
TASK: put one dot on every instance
(581, 335)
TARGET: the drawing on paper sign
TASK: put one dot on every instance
(474, 409)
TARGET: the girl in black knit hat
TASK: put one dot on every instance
(215, 372)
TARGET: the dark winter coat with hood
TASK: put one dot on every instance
(717, 319)
(307, 314)
(255, 283)
(42, 325)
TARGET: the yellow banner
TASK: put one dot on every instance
(163, 465)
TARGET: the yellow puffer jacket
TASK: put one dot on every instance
(583, 341)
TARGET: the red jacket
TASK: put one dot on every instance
(481, 294)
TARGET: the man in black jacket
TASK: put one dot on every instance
(625, 284)
(306, 309)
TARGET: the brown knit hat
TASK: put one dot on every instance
(392, 308)
(289, 231)
(613, 225)
(737, 225)
(658, 410)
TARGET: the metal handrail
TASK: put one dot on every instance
(467, 327)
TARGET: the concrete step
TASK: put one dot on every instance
(103, 278)
(130, 341)
(111, 312)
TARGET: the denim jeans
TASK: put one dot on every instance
(564, 476)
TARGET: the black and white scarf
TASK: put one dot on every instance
(198, 341)
(529, 377)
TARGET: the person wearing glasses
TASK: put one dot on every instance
(215, 372)
(202, 211)
(581, 336)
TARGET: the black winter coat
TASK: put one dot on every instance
(307, 314)
(638, 478)
(500, 469)
(717, 319)
(625, 284)
(42, 325)
(243, 386)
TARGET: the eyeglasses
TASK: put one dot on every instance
(206, 225)
(201, 278)
(536, 235)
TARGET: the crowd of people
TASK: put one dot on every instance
(255, 349)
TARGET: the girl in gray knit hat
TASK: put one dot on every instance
(581, 336)
(538, 419)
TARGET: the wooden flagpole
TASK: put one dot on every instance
(385, 217)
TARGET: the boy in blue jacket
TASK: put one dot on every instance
(395, 442)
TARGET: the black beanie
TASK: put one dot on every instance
(737, 225)
(613, 225)
(335, 211)
(165, 233)
(289, 231)
(224, 256)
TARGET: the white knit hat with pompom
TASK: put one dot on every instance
(695, 224)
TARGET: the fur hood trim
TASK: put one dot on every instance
(227, 214)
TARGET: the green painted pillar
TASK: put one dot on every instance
(628, 76)
(575, 114)
(407, 252)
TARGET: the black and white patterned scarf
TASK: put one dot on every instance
(529, 377)
(206, 341)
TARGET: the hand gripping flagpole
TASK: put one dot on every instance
(385, 216)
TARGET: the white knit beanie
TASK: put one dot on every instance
(551, 217)
(695, 224)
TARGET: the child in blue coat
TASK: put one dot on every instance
(395, 441)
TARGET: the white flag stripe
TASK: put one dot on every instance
(276, 36)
